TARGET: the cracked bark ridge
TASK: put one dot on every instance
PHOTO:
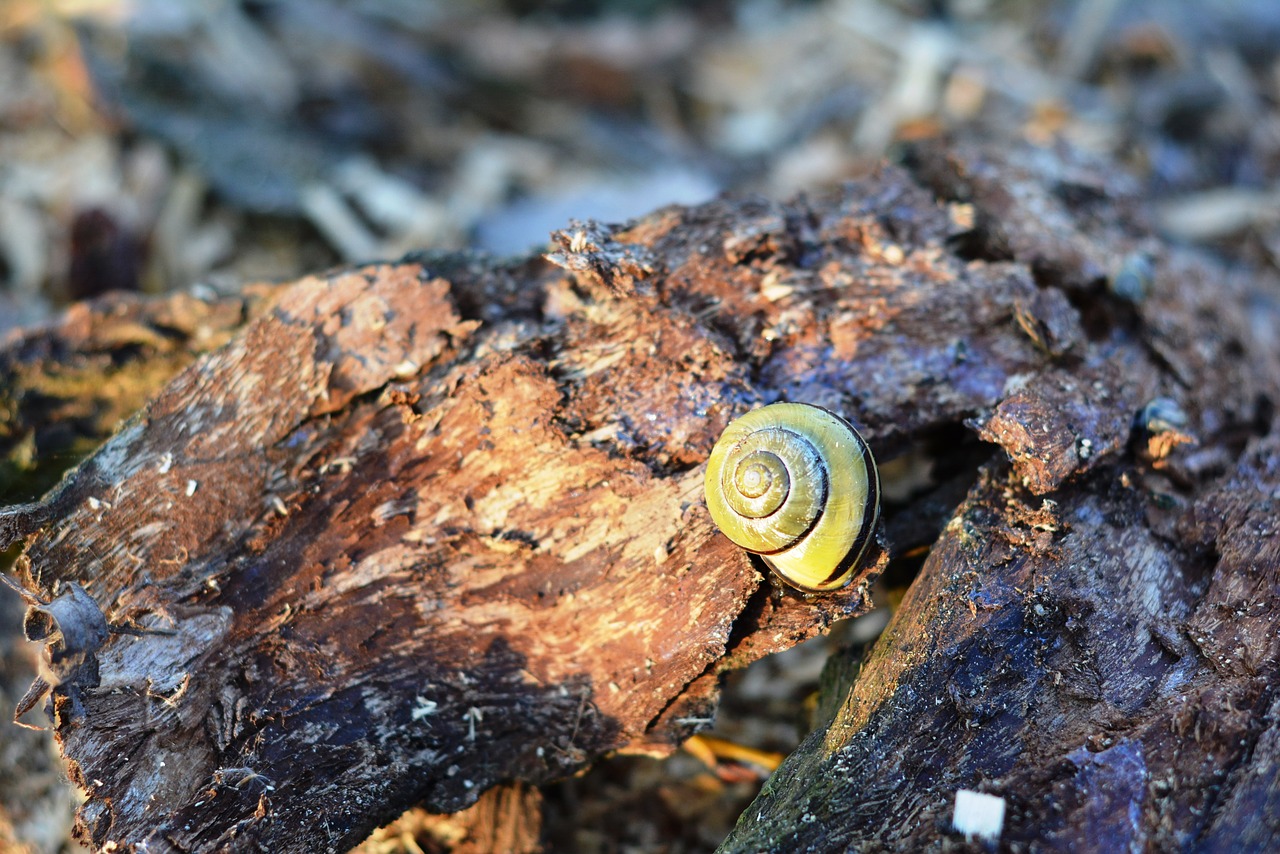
(1094, 635)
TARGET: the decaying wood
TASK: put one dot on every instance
(64, 387)
(67, 385)
(421, 528)
(1093, 638)
(374, 552)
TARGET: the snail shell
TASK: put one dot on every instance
(798, 486)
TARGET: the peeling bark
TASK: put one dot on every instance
(425, 527)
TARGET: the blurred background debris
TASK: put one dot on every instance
(157, 145)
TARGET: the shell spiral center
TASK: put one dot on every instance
(774, 481)
(760, 484)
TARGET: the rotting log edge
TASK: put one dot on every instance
(1098, 649)
(857, 302)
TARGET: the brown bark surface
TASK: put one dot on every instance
(65, 386)
(425, 527)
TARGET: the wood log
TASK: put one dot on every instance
(1092, 639)
(425, 527)
(64, 387)
(373, 553)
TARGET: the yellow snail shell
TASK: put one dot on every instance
(798, 486)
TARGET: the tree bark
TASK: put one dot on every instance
(425, 527)
(65, 386)
(1093, 637)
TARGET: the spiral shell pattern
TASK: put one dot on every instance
(797, 485)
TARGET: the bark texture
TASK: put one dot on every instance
(421, 528)
(1093, 637)
(66, 386)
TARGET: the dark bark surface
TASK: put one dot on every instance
(425, 527)
(1093, 637)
